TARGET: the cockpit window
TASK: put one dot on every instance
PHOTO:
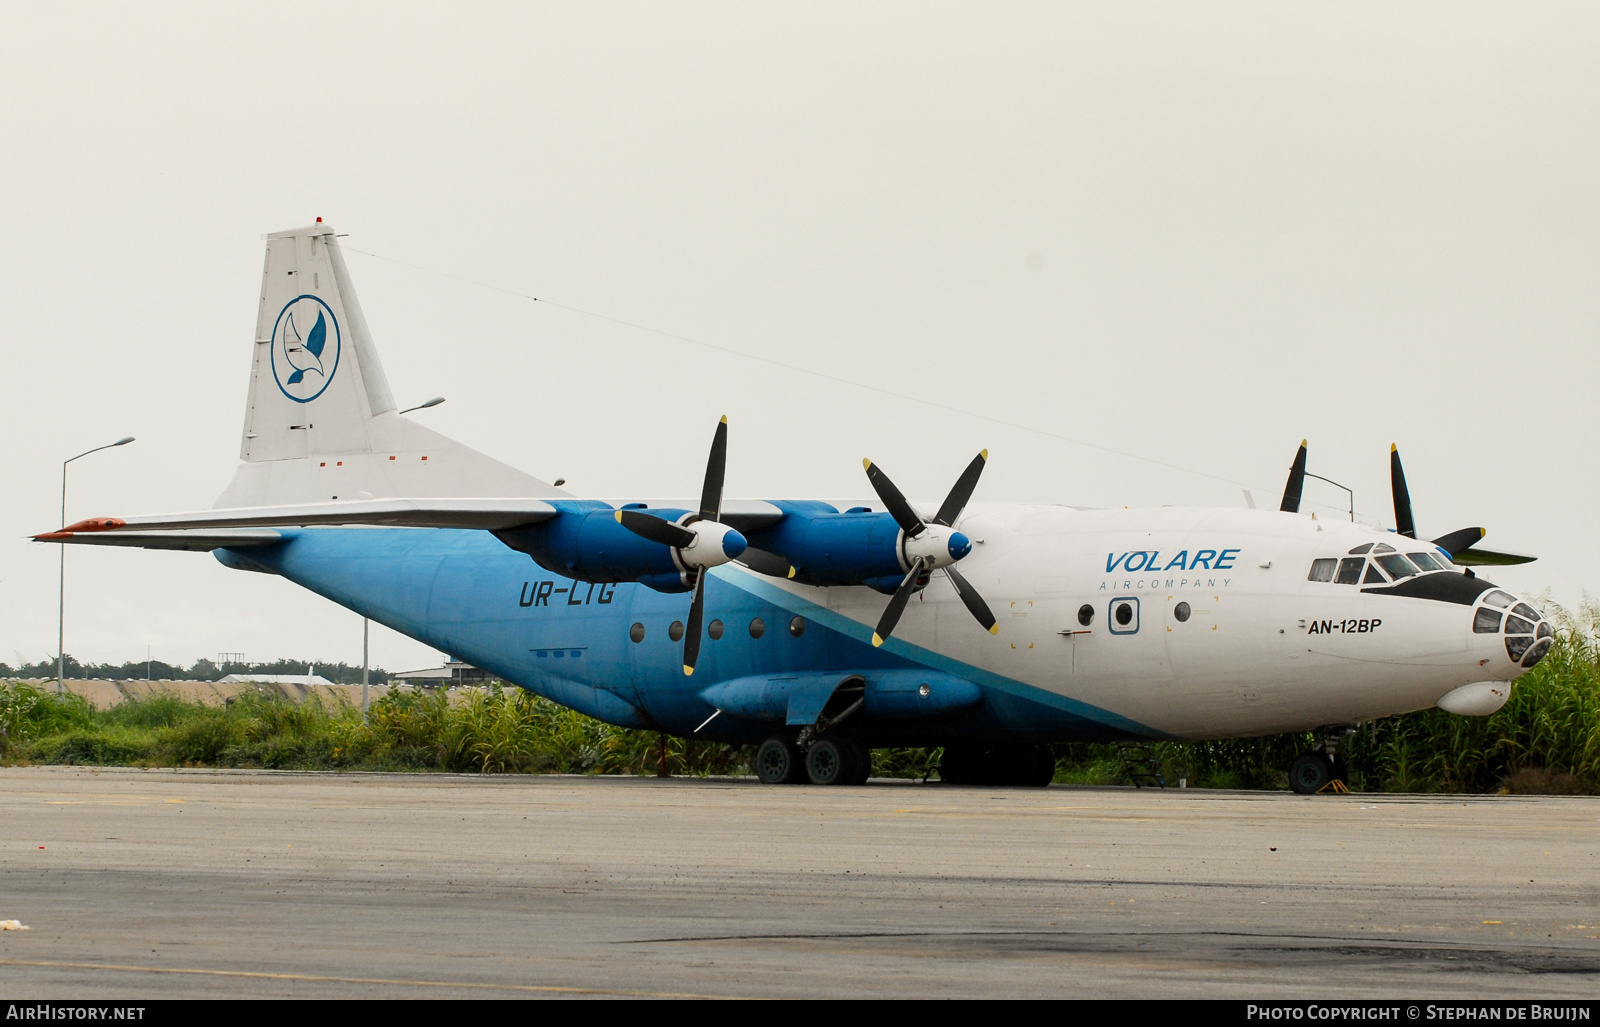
(1426, 561)
(1524, 610)
(1350, 570)
(1383, 547)
(1322, 570)
(1397, 565)
(1487, 621)
(1365, 547)
(1517, 626)
(1498, 598)
(1373, 577)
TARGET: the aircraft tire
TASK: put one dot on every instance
(961, 765)
(829, 762)
(779, 762)
(1309, 773)
(860, 763)
(1041, 768)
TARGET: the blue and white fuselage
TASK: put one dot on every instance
(1005, 627)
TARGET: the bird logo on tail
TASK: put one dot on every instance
(304, 362)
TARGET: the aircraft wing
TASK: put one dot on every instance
(193, 540)
(486, 514)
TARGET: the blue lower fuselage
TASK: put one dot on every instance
(468, 594)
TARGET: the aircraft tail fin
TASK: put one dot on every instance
(321, 422)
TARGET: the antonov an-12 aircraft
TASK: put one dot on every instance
(817, 631)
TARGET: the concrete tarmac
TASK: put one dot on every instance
(160, 883)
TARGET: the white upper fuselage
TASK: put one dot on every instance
(1263, 649)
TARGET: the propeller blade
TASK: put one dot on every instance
(1403, 521)
(655, 529)
(691, 633)
(1460, 540)
(901, 510)
(897, 604)
(956, 501)
(1489, 558)
(1296, 483)
(763, 562)
(974, 602)
(716, 470)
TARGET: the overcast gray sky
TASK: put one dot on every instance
(1194, 233)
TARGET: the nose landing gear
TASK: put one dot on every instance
(1321, 769)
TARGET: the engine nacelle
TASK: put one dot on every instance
(857, 547)
(585, 542)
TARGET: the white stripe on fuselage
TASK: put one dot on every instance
(1252, 658)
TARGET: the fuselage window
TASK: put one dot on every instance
(714, 629)
(1397, 565)
(1322, 570)
(636, 632)
(1372, 578)
(675, 631)
(797, 627)
(1085, 615)
(1350, 570)
(1363, 548)
(1427, 561)
(1181, 611)
(1487, 621)
(758, 627)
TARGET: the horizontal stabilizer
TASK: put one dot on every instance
(193, 541)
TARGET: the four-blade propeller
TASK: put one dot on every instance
(702, 542)
(1461, 544)
(930, 546)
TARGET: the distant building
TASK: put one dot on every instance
(274, 679)
(453, 673)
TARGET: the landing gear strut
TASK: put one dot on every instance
(1319, 769)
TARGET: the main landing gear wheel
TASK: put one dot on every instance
(778, 762)
(1310, 773)
(829, 762)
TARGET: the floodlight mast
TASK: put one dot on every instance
(61, 609)
(435, 401)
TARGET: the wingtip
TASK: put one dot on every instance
(994, 629)
(877, 639)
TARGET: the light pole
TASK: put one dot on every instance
(435, 401)
(61, 609)
(365, 624)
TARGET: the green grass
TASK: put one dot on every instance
(1545, 739)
